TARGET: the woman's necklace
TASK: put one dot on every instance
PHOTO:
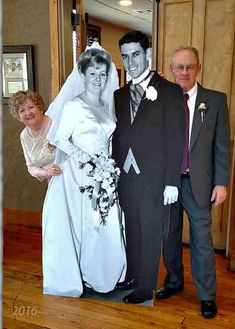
(39, 133)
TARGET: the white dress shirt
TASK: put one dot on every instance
(191, 105)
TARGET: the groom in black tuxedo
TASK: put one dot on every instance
(148, 147)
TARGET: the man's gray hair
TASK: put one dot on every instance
(189, 48)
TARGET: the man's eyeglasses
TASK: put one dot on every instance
(188, 68)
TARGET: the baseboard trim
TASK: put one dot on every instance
(21, 217)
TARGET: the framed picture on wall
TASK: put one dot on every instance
(17, 69)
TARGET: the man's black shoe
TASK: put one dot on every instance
(135, 298)
(126, 285)
(166, 292)
(208, 309)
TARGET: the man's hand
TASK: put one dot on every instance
(162, 74)
(219, 194)
(170, 194)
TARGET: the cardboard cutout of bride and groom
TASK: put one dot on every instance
(90, 255)
(90, 249)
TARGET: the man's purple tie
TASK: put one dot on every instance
(185, 164)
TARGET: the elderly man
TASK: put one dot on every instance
(204, 177)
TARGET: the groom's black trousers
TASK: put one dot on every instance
(144, 212)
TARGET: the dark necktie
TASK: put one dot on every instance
(185, 164)
(136, 93)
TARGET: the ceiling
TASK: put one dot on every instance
(137, 16)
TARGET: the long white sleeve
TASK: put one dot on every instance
(34, 171)
(63, 137)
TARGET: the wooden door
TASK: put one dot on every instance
(61, 41)
(207, 25)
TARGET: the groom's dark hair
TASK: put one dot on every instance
(135, 36)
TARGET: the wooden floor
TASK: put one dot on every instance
(25, 307)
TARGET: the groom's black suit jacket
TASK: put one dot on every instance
(156, 136)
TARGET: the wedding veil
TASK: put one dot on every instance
(74, 86)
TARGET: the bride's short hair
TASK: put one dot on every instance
(93, 56)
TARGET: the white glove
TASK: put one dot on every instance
(170, 194)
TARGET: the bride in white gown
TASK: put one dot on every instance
(78, 250)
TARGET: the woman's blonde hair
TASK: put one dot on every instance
(19, 98)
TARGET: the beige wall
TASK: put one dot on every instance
(24, 23)
(27, 23)
(208, 26)
(110, 35)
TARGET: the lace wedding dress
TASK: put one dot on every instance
(38, 153)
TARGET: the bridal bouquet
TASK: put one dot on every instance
(103, 190)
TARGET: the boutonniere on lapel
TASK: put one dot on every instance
(151, 93)
(202, 109)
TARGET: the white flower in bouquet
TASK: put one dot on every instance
(105, 175)
(86, 157)
(98, 176)
(104, 204)
(88, 167)
(117, 171)
(105, 184)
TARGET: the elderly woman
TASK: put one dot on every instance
(28, 108)
(82, 241)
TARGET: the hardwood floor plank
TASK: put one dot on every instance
(25, 306)
(10, 323)
(118, 313)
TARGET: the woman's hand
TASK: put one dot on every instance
(55, 170)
